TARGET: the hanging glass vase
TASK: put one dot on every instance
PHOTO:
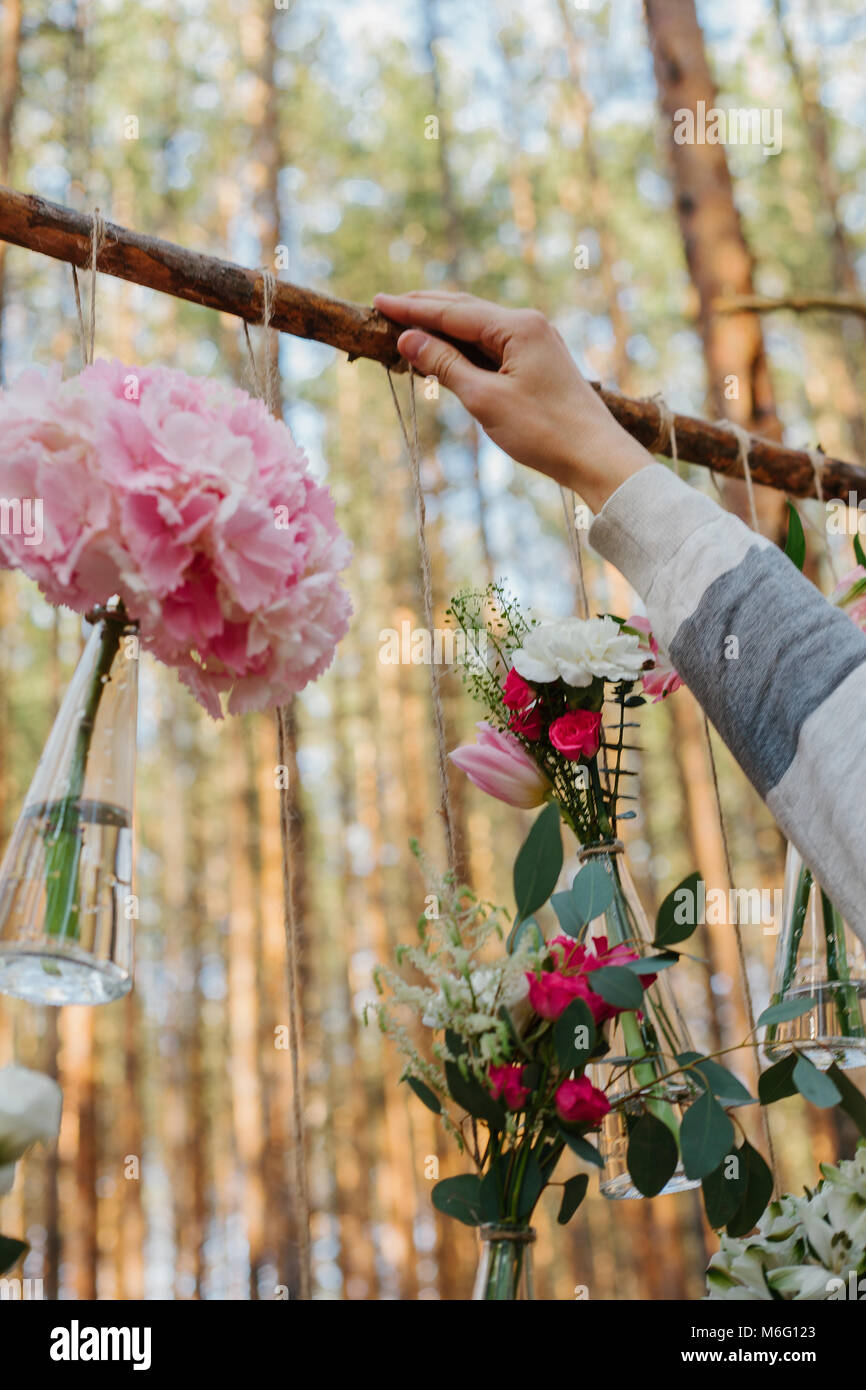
(66, 904)
(651, 1037)
(818, 957)
(505, 1264)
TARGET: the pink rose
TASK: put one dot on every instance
(661, 679)
(579, 1102)
(499, 764)
(577, 734)
(551, 993)
(517, 693)
(507, 1081)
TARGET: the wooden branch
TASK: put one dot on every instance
(66, 235)
(796, 303)
(363, 332)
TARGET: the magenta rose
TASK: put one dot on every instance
(517, 693)
(527, 722)
(577, 734)
(579, 1102)
(506, 1081)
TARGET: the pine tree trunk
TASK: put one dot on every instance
(719, 261)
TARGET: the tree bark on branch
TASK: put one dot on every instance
(359, 331)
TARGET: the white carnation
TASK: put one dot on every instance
(577, 650)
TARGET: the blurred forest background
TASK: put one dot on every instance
(239, 130)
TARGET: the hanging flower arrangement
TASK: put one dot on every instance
(193, 504)
(570, 1040)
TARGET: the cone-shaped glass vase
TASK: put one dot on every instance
(817, 957)
(652, 1038)
(66, 904)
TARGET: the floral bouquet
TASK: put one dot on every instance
(531, 1049)
(805, 1248)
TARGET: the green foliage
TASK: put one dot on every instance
(11, 1252)
(573, 1193)
(460, 1197)
(706, 1135)
(795, 543)
(652, 1155)
(571, 1055)
(677, 917)
(538, 863)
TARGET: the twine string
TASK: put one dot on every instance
(87, 332)
(569, 507)
(744, 443)
(816, 458)
(413, 451)
(267, 385)
(665, 441)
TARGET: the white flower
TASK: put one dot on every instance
(802, 1245)
(30, 1105)
(579, 649)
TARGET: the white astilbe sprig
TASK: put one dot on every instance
(462, 990)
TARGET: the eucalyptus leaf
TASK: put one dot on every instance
(528, 927)
(10, 1252)
(816, 1086)
(469, 1093)
(785, 1010)
(723, 1084)
(531, 1187)
(567, 914)
(592, 891)
(573, 1193)
(724, 1189)
(652, 1155)
(651, 965)
(706, 1135)
(758, 1191)
(618, 986)
(427, 1096)
(538, 863)
(460, 1197)
(573, 1047)
(580, 1146)
(678, 915)
(852, 1099)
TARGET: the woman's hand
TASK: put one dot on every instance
(536, 406)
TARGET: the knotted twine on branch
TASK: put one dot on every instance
(88, 334)
(414, 454)
(267, 385)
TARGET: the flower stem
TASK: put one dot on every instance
(63, 830)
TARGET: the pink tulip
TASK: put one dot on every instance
(500, 766)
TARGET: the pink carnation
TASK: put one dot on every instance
(189, 500)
